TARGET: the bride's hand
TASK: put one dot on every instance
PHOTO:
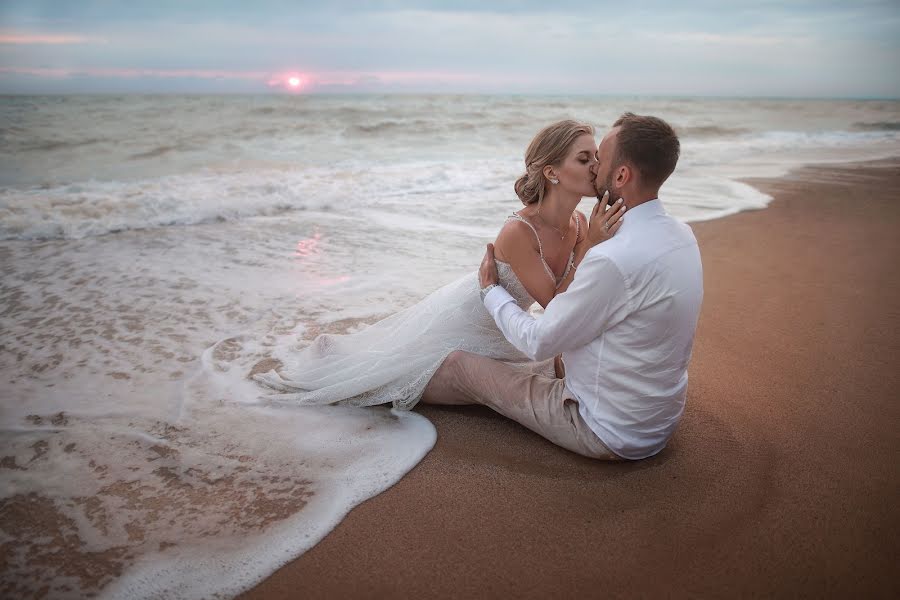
(487, 272)
(605, 221)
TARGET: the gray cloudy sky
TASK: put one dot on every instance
(691, 47)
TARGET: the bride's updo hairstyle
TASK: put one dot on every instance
(549, 147)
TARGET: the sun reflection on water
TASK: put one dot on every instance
(309, 246)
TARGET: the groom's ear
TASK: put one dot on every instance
(624, 174)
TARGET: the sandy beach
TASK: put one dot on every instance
(781, 481)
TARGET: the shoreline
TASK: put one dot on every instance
(769, 487)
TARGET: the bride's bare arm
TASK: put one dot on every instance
(517, 246)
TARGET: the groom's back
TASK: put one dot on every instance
(643, 353)
(665, 286)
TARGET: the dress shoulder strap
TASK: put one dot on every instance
(571, 264)
(519, 217)
(547, 268)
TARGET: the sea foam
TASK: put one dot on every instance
(203, 506)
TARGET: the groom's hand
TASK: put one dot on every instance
(487, 272)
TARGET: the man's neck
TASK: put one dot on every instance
(636, 198)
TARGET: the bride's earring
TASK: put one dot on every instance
(554, 181)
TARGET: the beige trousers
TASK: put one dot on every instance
(529, 394)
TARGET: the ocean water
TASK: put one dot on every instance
(156, 250)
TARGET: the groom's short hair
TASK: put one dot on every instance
(649, 144)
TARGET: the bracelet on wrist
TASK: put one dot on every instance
(488, 288)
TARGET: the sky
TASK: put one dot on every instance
(799, 48)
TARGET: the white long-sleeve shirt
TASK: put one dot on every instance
(625, 328)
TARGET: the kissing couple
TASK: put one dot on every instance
(603, 371)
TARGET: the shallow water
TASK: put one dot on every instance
(156, 250)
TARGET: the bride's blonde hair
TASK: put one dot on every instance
(549, 147)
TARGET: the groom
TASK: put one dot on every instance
(625, 326)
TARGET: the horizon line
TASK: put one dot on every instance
(461, 93)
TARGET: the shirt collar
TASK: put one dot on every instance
(645, 210)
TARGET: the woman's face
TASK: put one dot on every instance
(575, 173)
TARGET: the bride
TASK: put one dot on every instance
(538, 250)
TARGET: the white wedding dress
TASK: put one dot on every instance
(394, 359)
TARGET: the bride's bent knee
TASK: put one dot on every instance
(455, 360)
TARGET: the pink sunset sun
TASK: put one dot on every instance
(290, 81)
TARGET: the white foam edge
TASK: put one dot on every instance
(180, 573)
(226, 574)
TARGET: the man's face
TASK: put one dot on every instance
(604, 169)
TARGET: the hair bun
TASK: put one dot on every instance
(521, 188)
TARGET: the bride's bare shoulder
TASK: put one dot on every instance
(515, 239)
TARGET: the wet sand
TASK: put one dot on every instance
(782, 479)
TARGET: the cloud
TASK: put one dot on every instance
(51, 39)
(60, 73)
(720, 39)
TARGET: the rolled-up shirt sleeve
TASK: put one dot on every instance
(596, 300)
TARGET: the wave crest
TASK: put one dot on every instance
(877, 126)
(97, 208)
(710, 131)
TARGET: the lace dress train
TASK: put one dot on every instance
(394, 359)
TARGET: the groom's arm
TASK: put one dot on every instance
(596, 300)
